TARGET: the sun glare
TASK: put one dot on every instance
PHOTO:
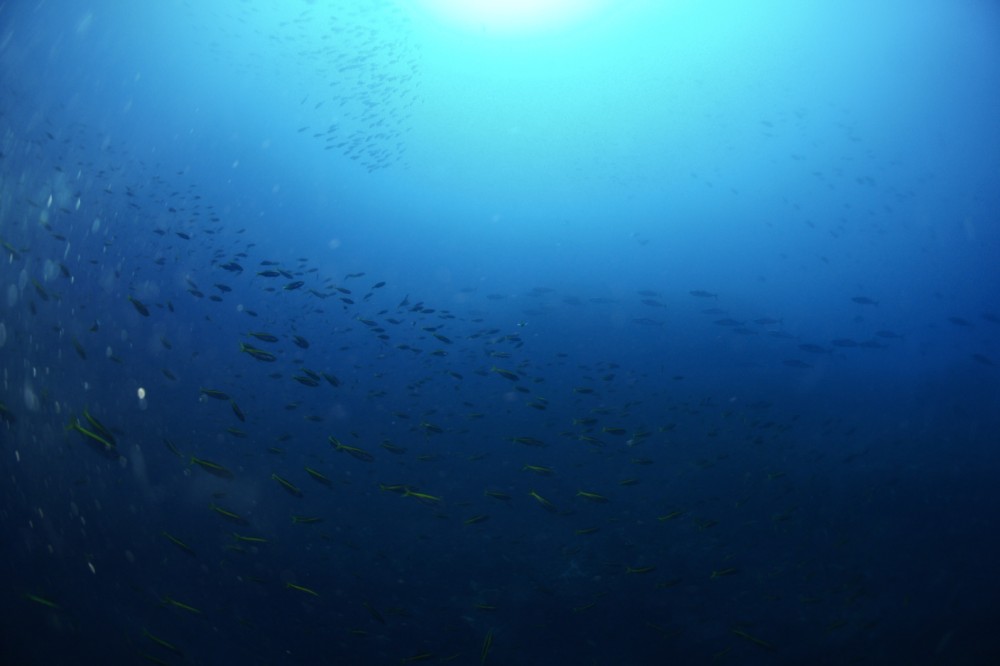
(512, 16)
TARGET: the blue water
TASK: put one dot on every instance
(668, 336)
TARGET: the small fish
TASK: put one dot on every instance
(249, 539)
(229, 515)
(864, 300)
(42, 600)
(476, 519)
(423, 497)
(300, 588)
(487, 643)
(353, 451)
(213, 468)
(139, 307)
(753, 639)
(258, 354)
(180, 544)
(287, 485)
(506, 374)
(547, 505)
(724, 572)
(213, 393)
(106, 443)
(177, 604)
(306, 520)
(528, 441)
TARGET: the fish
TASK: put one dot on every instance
(42, 600)
(753, 639)
(306, 520)
(249, 539)
(701, 293)
(547, 505)
(353, 451)
(212, 468)
(180, 544)
(373, 612)
(318, 476)
(423, 497)
(138, 305)
(98, 436)
(506, 374)
(487, 643)
(214, 394)
(593, 497)
(287, 485)
(258, 354)
(864, 300)
(479, 518)
(301, 588)
(169, 601)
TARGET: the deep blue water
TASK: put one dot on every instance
(669, 336)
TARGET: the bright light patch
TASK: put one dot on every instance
(512, 16)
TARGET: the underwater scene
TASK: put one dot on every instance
(590, 332)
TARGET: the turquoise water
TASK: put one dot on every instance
(342, 333)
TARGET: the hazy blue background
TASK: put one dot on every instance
(762, 237)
